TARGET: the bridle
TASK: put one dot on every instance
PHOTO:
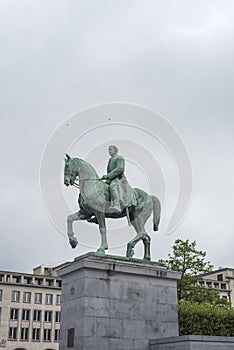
(77, 185)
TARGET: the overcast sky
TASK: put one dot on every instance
(59, 57)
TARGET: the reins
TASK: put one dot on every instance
(77, 185)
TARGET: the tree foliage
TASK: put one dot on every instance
(190, 261)
(205, 319)
(200, 309)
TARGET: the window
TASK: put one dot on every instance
(38, 281)
(57, 316)
(48, 316)
(220, 277)
(36, 333)
(58, 283)
(16, 279)
(47, 334)
(223, 286)
(209, 284)
(25, 315)
(15, 296)
(1, 278)
(37, 315)
(57, 334)
(27, 297)
(38, 298)
(0, 294)
(24, 334)
(49, 282)
(12, 333)
(8, 278)
(14, 314)
(0, 315)
(216, 285)
(27, 280)
(49, 299)
(58, 299)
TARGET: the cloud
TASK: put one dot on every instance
(59, 57)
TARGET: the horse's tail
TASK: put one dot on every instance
(156, 212)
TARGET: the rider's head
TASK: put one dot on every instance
(113, 150)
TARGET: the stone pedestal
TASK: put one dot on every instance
(111, 303)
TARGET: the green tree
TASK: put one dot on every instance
(190, 261)
(205, 319)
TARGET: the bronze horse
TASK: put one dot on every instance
(94, 201)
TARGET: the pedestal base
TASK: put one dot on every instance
(110, 303)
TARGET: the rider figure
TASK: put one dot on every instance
(115, 170)
(120, 191)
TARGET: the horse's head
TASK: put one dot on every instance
(70, 170)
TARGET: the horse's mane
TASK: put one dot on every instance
(83, 162)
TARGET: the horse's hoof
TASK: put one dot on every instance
(100, 252)
(130, 251)
(130, 254)
(73, 242)
(147, 258)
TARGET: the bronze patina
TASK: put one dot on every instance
(110, 197)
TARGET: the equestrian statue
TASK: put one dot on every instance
(110, 197)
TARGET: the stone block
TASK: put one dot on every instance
(90, 287)
(102, 327)
(92, 343)
(116, 328)
(166, 312)
(121, 344)
(134, 329)
(96, 307)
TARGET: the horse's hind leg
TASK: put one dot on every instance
(136, 239)
(139, 226)
(142, 235)
(146, 241)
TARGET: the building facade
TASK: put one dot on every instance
(221, 280)
(30, 309)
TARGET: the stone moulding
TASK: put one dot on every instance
(194, 342)
(123, 265)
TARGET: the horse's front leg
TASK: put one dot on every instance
(73, 217)
(102, 228)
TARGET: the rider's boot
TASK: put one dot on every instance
(115, 206)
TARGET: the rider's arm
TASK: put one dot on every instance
(119, 169)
